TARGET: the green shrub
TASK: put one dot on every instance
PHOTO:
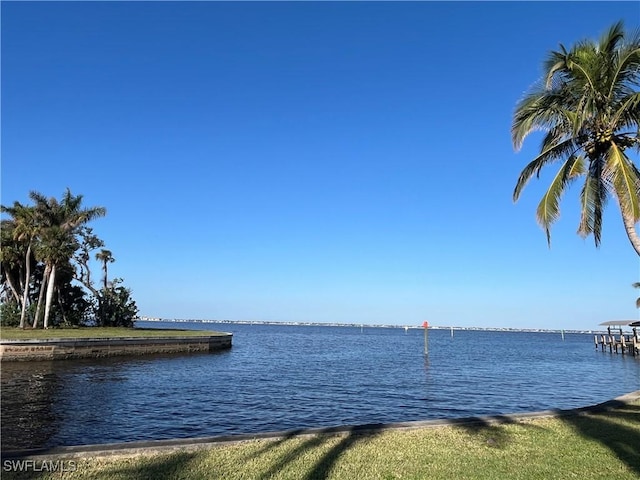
(9, 314)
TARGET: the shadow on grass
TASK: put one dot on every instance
(273, 444)
(150, 468)
(166, 466)
(323, 466)
(491, 429)
(292, 455)
(622, 440)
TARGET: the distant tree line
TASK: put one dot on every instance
(46, 280)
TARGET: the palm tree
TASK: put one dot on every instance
(105, 256)
(589, 107)
(25, 229)
(61, 222)
(11, 258)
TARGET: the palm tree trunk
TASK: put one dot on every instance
(630, 227)
(50, 288)
(25, 295)
(62, 310)
(43, 286)
(13, 289)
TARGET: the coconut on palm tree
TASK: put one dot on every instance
(589, 106)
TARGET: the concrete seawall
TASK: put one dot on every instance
(69, 348)
(195, 444)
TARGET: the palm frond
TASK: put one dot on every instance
(549, 208)
(528, 117)
(555, 66)
(593, 198)
(623, 180)
(558, 143)
(539, 111)
(627, 111)
(534, 167)
(626, 70)
(609, 41)
(579, 62)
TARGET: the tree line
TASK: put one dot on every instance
(46, 279)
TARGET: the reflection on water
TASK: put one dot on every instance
(28, 395)
(281, 377)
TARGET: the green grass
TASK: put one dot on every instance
(595, 446)
(98, 332)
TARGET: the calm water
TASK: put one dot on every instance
(282, 377)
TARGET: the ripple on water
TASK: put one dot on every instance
(286, 377)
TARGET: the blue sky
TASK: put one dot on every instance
(310, 161)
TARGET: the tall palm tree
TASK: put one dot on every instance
(11, 259)
(61, 222)
(105, 256)
(589, 107)
(25, 229)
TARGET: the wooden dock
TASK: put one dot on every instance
(622, 342)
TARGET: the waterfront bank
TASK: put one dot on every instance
(74, 348)
(589, 443)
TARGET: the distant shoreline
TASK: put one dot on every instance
(360, 325)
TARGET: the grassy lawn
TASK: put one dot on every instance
(98, 332)
(596, 446)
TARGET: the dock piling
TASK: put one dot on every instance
(426, 337)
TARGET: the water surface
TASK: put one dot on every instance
(278, 377)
